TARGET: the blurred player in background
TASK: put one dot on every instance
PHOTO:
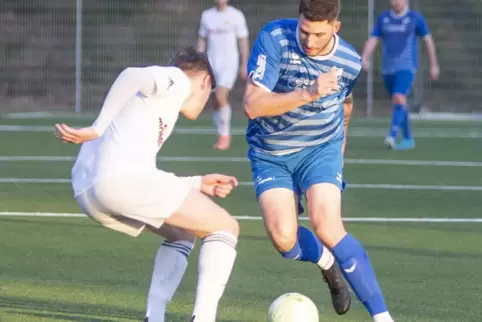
(299, 100)
(220, 28)
(399, 28)
(116, 182)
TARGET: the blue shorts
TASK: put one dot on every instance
(399, 83)
(298, 171)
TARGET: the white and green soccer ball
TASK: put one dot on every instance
(293, 307)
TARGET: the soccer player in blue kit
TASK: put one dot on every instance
(301, 75)
(398, 29)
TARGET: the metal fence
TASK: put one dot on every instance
(63, 55)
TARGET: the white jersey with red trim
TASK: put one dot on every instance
(134, 134)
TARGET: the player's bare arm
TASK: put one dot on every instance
(347, 109)
(259, 102)
(202, 39)
(370, 47)
(201, 44)
(432, 56)
(243, 44)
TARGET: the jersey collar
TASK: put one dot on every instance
(398, 16)
(321, 57)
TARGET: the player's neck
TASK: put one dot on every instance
(221, 8)
(400, 13)
(329, 48)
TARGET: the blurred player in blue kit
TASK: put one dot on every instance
(399, 28)
(299, 100)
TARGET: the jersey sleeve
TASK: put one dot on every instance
(352, 84)
(130, 82)
(421, 27)
(203, 30)
(264, 62)
(163, 80)
(377, 30)
(241, 27)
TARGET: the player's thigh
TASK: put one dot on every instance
(173, 234)
(222, 96)
(149, 197)
(227, 74)
(402, 84)
(279, 209)
(277, 197)
(320, 177)
(324, 210)
(388, 80)
(90, 207)
(320, 164)
(269, 172)
(202, 216)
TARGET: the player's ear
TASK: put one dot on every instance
(336, 26)
(206, 82)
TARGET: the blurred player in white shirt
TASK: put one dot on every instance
(222, 28)
(116, 181)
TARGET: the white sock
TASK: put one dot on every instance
(222, 120)
(327, 259)
(169, 267)
(216, 260)
(382, 317)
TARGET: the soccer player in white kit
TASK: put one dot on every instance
(220, 28)
(116, 181)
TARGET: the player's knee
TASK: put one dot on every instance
(235, 228)
(330, 235)
(231, 226)
(182, 235)
(283, 236)
(328, 225)
(325, 217)
(399, 99)
(221, 99)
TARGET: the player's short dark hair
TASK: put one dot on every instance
(320, 10)
(191, 60)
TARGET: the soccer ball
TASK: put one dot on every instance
(293, 307)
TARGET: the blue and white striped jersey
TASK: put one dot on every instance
(278, 64)
(399, 36)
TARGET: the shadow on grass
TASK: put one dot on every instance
(64, 311)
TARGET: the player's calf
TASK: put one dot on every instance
(296, 242)
(219, 236)
(170, 264)
(324, 207)
(280, 211)
(222, 119)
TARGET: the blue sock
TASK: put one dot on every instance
(358, 271)
(407, 133)
(397, 120)
(308, 247)
(311, 247)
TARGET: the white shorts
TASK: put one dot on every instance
(127, 204)
(226, 74)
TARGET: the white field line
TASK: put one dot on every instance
(365, 132)
(243, 159)
(249, 183)
(349, 219)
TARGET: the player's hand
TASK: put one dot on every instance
(218, 185)
(325, 84)
(434, 72)
(243, 72)
(68, 134)
(365, 64)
